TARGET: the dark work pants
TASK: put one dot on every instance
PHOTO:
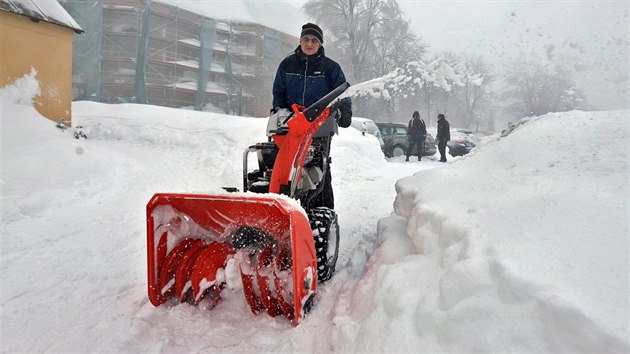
(416, 143)
(442, 149)
(327, 194)
(326, 198)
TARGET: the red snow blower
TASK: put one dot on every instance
(279, 247)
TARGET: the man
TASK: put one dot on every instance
(416, 134)
(303, 77)
(443, 136)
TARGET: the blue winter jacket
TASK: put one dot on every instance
(305, 79)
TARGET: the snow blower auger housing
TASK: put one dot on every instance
(198, 243)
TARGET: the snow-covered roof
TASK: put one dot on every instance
(42, 10)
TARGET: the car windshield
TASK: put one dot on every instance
(400, 130)
(371, 128)
(387, 129)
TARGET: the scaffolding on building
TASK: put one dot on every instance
(147, 51)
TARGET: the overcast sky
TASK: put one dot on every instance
(591, 37)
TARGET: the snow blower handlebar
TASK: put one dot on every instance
(293, 143)
(300, 125)
(312, 112)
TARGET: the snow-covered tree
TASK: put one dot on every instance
(412, 81)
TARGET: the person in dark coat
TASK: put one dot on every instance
(443, 136)
(305, 76)
(416, 134)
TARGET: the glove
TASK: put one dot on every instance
(344, 107)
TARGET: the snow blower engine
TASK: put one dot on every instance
(270, 237)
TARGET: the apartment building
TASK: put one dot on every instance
(155, 52)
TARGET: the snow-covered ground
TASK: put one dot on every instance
(520, 246)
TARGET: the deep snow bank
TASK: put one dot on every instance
(519, 246)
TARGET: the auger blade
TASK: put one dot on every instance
(183, 284)
(264, 269)
(206, 267)
(250, 287)
(166, 279)
(284, 283)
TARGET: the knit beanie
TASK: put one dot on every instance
(311, 29)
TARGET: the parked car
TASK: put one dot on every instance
(368, 126)
(396, 143)
(462, 141)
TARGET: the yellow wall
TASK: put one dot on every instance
(48, 49)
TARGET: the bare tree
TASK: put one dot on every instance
(538, 88)
(394, 45)
(371, 34)
(474, 95)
